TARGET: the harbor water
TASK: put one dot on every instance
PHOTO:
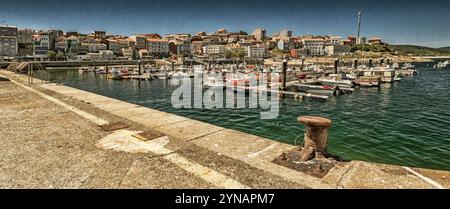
(403, 123)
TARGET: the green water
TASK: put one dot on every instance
(405, 123)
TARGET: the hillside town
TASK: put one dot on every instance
(292, 97)
(52, 45)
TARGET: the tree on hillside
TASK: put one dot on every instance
(235, 53)
(278, 53)
(51, 55)
(60, 56)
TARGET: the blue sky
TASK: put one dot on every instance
(421, 22)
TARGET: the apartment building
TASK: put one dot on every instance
(140, 41)
(213, 49)
(256, 52)
(158, 47)
(314, 46)
(8, 41)
(260, 34)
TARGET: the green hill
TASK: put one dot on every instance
(445, 49)
(420, 50)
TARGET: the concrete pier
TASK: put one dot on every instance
(51, 138)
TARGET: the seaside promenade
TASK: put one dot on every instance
(54, 136)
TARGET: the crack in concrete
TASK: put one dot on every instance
(339, 184)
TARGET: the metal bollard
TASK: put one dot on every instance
(316, 137)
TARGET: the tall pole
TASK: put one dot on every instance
(336, 64)
(139, 67)
(285, 62)
(359, 28)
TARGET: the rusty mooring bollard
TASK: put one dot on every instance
(316, 137)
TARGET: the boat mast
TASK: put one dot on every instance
(359, 28)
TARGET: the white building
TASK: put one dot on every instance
(181, 47)
(25, 35)
(158, 47)
(93, 48)
(285, 44)
(335, 40)
(337, 50)
(259, 34)
(128, 53)
(314, 46)
(41, 45)
(102, 55)
(256, 52)
(140, 41)
(214, 49)
(61, 44)
(116, 45)
(284, 34)
(173, 37)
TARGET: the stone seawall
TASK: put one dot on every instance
(153, 149)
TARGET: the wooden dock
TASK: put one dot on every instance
(285, 93)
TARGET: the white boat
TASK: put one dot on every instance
(83, 69)
(163, 75)
(310, 80)
(92, 69)
(336, 80)
(178, 75)
(315, 68)
(441, 65)
(408, 66)
(395, 66)
(368, 81)
(387, 74)
(212, 81)
(115, 74)
(398, 77)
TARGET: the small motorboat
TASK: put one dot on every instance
(83, 69)
(213, 82)
(398, 77)
(441, 65)
(310, 80)
(163, 75)
(115, 75)
(336, 80)
(408, 66)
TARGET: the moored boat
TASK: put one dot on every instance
(336, 80)
(368, 81)
(83, 69)
(441, 65)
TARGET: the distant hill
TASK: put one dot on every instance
(420, 50)
(444, 49)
